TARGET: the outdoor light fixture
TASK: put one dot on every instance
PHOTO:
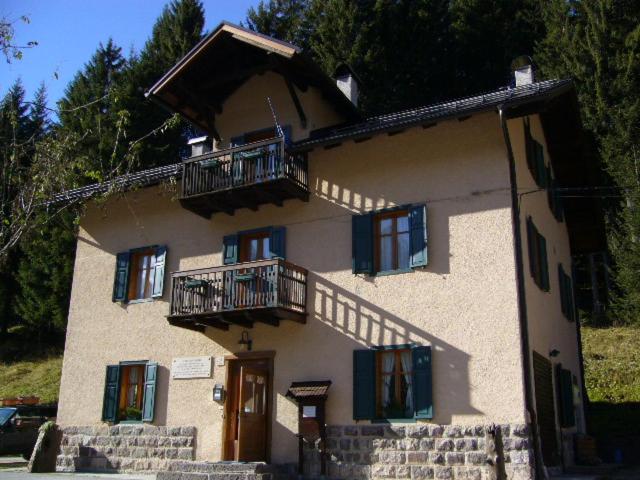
(554, 353)
(245, 340)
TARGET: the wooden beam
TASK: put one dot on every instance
(296, 102)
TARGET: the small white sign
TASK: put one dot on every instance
(308, 411)
(191, 367)
(219, 361)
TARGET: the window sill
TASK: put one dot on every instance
(139, 300)
(129, 422)
(393, 272)
(393, 420)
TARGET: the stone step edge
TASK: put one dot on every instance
(212, 476)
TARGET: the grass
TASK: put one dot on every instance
(38, 377)
(612, 364)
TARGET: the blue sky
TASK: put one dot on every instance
(69, 31)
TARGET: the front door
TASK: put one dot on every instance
(247, 411)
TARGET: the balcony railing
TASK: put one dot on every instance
(244, 177)
(264, 291)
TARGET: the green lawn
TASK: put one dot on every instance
(35, 377)
(612, 364)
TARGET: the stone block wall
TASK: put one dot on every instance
(425, 451)
(124, 448)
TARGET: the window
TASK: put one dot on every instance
(394, 394)
(139, 274)
(129, 393)
(566, 294)
(392, 383)
(392, 240)
(252, 245)
(564, 397)
(538, 264)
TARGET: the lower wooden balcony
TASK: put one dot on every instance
(265, 291)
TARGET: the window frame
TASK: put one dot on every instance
(126, 367)
(397, 373)
(147, 366)
(378, 217)
(132, 288)
(538, 262)
(158, 251)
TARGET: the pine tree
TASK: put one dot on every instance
(91, 109)
(175, 33)
(283, 19)
(597, 43)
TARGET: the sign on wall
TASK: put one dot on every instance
(191, 367)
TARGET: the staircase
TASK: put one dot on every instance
(219, 471)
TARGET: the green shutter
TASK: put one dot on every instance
(541, 174)
(230, 249)
(422, 382)
(418, 236)
(111, 394)
(362, 243)
(528, 145)
(531, 239)
(563, 294)
(121, 279)
(565, 393)
(571, 306)
(149, 397)
(364, 384)
(158, 272)
(544, 265)
(277, 242)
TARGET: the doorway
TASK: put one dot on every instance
(545, 409)
(248, 408)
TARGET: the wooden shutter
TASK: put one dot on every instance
(111, 394)
(364, 384)
(230, 249)
(422, 382)
(149, 398)
(563, 294)
(121, 279)
(531, 243)
(544, 264)
(418, 236)
(564, 386)
(362, 243)
(528, 145)
(278, 242)
(158, 272)
(541, 174)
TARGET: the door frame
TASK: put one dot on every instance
(267, 355)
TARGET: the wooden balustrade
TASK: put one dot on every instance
(245, 176)
(266, 291)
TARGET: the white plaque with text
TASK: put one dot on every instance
(191, 367)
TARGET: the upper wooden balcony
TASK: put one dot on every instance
(264, 291)
(243, 177)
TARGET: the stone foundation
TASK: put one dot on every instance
(124, 448)
(424, 451)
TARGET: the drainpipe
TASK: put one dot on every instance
(522, 302)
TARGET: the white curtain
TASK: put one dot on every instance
(405, 357)
(133, 387)
(388, 366)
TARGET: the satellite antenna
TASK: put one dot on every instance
(279, 131)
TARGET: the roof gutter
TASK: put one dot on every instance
(522, 301)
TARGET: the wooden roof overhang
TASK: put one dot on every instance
(199, 84)
(576, 167)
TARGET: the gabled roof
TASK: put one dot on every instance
(198, 85)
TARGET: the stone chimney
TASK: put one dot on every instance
(347, 82)
(523, 70)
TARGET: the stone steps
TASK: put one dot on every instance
(216, 471)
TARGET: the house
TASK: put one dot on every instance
(385, 297)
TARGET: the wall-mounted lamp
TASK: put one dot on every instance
(554, 353)
(245, 340)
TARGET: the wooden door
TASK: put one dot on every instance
(253, 247)
(247, 411)
(545, 409)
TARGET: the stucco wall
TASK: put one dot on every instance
(548, 328)
(247, 109)
(463, 304)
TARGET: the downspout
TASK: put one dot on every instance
(522, 301)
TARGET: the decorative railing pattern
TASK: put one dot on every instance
(251, 285)
(242, 166)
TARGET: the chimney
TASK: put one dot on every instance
(347, 82)
(200, 145)
(523, 70)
